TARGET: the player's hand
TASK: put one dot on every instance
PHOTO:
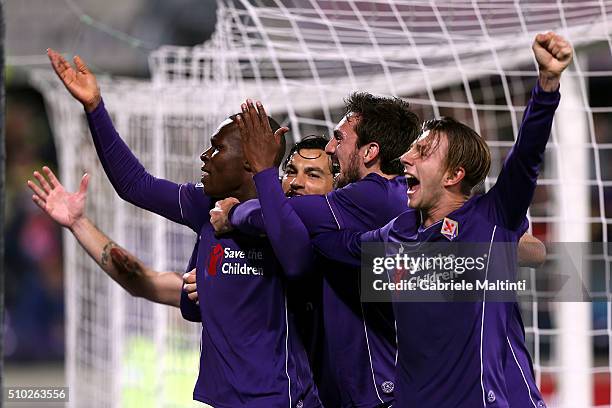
(219, 216)
(65, 208)
(189, 286)
(80, 82)
(260, 145)
(553, 54)
(126, 264)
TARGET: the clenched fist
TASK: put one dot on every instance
(553, 54)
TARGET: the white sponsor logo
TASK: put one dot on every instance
(240, 268)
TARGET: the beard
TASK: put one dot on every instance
(350, 174)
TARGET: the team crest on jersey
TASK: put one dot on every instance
(199, 185)
(450, 228)
(215, 259)
(387, 387)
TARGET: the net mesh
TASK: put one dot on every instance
(468, 59)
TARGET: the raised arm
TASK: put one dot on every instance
(285, 230)
(513, 192)
(345, 245)
(67, 209)
(184, 204)
(126, 269)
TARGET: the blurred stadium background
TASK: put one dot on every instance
(105, 34)
(167, 83)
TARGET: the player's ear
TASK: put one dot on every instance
(247, 166)
(454, 177)
(370, 152)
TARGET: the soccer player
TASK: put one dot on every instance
(251, 354)
(68, 210)
(468, 354)
(309, 170)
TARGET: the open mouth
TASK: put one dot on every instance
(335, 161)
(412, 183)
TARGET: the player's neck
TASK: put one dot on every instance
(245, 192)
(377, 170)
(444, 206)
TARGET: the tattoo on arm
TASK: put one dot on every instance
(126, 265)
(106, 252)
(130, 268)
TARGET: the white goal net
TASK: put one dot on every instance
(467, 59)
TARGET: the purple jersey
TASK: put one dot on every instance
(468, 354)
(251, 355)
(360, 338)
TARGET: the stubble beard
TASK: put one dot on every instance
(350, 174)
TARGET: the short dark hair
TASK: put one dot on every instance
(466, 149)
(311, 142)
(274, 125)
(386, 121)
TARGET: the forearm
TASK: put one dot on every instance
(123, 169)
(127, 175)
(537, 123)
(141, 282)
(247, 218)
(163, 287)
(516, 183)
(285, 230)
(313, 210)
(549, 82)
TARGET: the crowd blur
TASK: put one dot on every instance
(34, 279)
(34, 324)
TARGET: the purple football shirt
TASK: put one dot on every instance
(251, 354)
(468, 354)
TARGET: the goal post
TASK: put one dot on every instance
(574, 346)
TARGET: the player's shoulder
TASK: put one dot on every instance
(372, 183)
(195, 189)
(373, 197)
(193, 193)
(384, 181)
(406, 224)
(482, 211)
